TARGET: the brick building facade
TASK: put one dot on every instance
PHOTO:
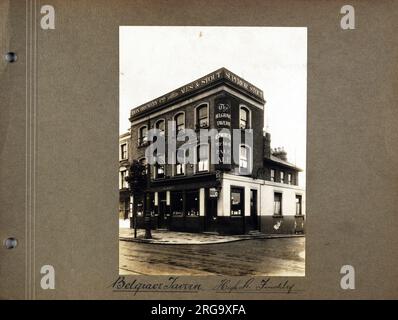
(209, 197)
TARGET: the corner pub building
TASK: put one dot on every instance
(206, 197)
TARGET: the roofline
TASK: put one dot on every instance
(123, 135)
(284, 163)
(220, 76)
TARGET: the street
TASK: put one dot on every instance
(265, 257)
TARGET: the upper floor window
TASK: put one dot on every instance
(244, 118)
(161, 126)
(123, 183)
(143, 135)
(123, 151)
(142, 162)
(272, 175)
(202, 116)
(180, 165)
(298, 205)
(180, 121)
(159, 171)
(289, 178)
(203, 157)
(282, 177)
(244, 159)
(277, 203)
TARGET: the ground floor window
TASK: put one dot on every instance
(177, 203)
(124, 208)
(192, 203)
(277, 203)
(237, 202)
(185, 203)
(298, 205)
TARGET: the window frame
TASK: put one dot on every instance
(175, 120)
(196, 115)
(122, 182)
(248, 159)
(141, 140)
(272, 175)
(155, 125)
(197, 155)
(282, 176)
(248, 115)
(183, 166)
(280, 214)
(157, 166)
(299, 196)
(241, 201)
(145, 164)
(124, 144)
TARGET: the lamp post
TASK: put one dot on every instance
(147, 203)
(138, 180)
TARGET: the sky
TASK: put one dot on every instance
(157, 60)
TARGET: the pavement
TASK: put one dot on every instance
(185, 238)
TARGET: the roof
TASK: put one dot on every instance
(284, 163)
(212, 79)
(124, 135)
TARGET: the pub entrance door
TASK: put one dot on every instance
(253, 209)
(211, 196)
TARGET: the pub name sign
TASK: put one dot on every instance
(198, 84)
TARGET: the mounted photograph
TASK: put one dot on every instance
(212, 150)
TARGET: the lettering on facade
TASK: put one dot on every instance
(222, 116)
(198, 84)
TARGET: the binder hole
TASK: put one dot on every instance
(11, 57)
(10, 243)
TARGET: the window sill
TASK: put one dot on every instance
(179, 175)
(201, 172)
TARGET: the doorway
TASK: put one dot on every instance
(253, 209)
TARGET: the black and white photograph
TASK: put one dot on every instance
(217, 151)
(212, 151)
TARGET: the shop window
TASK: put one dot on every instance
(277, 204)
(192, 203)
(237, 202)
(177, 203)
